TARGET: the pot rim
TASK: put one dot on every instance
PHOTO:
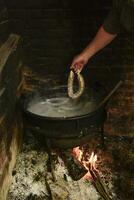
(64, 118)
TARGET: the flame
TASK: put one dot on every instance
(88, 161)
(93, 160)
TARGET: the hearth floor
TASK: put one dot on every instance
(33, 181)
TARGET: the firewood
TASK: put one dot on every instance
(98, 184)
(75, 168)
(50, 159)
(56, 189)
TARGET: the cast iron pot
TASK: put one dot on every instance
(70, 127)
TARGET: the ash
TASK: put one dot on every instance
(28, 176)
(33, 180)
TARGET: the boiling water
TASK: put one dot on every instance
(60, 107)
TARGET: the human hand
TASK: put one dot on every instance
(79, 62)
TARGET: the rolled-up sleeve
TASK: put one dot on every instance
(112, 22)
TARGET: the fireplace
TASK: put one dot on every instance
(90, 157)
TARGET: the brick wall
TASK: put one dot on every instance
(56, 30)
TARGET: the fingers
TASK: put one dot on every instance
(77, 67)
(78, 63)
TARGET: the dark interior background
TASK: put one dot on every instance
(54, 31)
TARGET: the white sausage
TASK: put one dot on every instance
(81, 83)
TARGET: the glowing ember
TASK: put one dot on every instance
(88, 161)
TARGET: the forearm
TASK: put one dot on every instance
(101, 40)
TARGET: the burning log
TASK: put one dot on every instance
(80, 165)
(75, 168)
(92, 172)
(99, 184)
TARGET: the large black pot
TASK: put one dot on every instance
(70, 127)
